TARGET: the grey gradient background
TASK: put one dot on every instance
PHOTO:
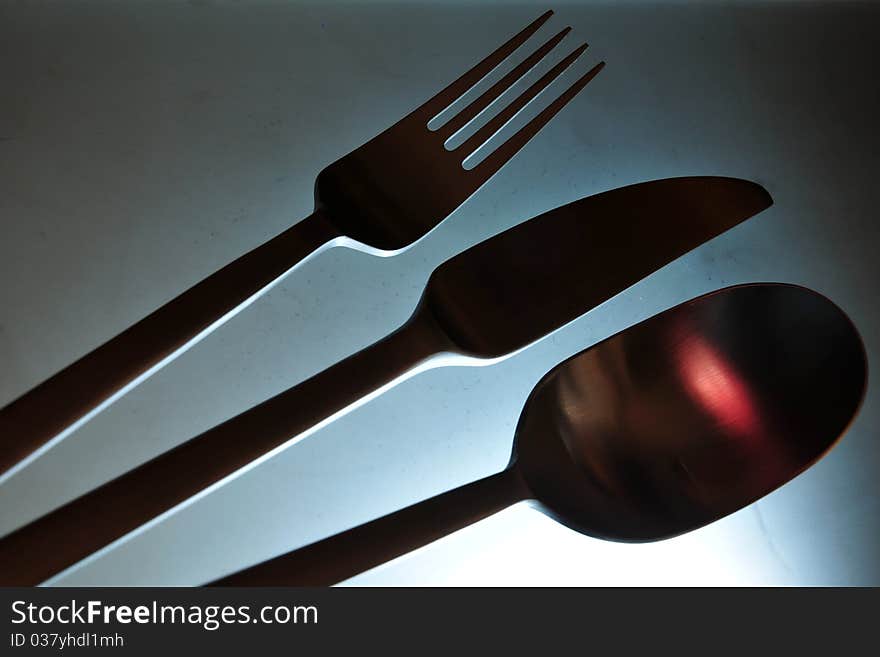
(145, 144)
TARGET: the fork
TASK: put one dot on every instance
(386, 194)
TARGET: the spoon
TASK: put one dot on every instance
(487, 302)
(663, 428)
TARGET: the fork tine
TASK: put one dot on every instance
(451, 93)
(508, 149)
(462, 118)
(495, 124)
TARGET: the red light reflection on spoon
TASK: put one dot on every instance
(713, 382)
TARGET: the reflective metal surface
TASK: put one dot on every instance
(692, 414)
(663, 428)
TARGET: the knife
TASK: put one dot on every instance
(489, 301)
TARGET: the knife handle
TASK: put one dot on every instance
(62, 537)
(63, 402)
(351, 552)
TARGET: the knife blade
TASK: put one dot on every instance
(569, 260)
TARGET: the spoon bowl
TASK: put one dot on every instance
(691, 414)
(663, 428)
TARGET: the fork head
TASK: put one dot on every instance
(401, 184)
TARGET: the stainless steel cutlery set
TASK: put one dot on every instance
(660, 429)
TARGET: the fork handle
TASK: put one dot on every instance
(62, 537)
(351, 552)
(61, 403)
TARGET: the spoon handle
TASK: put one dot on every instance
(351, 552)
(61, 403)
(62, 537)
